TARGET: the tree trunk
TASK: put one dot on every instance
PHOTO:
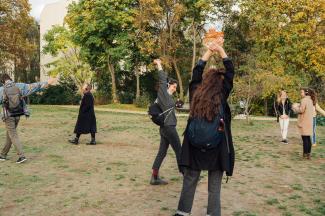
(194, 47)
(265, 107)
(180, 82)
(112, 72)
(137, 75)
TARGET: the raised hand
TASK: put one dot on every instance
(52, 81)
(158, 63)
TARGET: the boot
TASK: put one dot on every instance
(304, 156)
(308, 156)
(74, 141)
(92, 142)
(157, 181)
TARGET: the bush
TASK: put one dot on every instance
(143, 101)
(63, 94)
(321, 121)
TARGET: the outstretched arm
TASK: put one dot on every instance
(28, 89)
(320, 110)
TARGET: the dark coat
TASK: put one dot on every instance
(279, 108)
(86, 122)
(223, 157)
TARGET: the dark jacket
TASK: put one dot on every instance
(165, 100)
(86, 122)
(279, 107)
(223, 157)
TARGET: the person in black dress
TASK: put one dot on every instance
(86, 122)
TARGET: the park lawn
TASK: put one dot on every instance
(129, 107)
(112, 177)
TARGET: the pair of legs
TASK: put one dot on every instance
(12, 138)
(76, 139)
(168, 136)
(191, 178)
(306, 146)
(93, 136)
(284, 125)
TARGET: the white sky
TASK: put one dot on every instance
(38, 5)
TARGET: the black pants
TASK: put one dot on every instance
(306, 144)
(168, 135)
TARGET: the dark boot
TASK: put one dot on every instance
(308, 156)
(157, 181)
(74, 141)
(92, 142)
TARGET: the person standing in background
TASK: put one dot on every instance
(283, 110)
(317, 108)
(305, 121)
(86, 122)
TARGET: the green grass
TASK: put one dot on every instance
(112, 178)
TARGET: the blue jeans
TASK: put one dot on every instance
(314, 131)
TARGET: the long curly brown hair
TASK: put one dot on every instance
(208, 95)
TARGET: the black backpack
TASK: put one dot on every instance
(204, 134)
(13, 101)
(156, 114)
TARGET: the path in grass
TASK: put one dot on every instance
(112, 178)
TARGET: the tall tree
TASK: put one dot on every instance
(18, 41)
(100, 28)
(68, 63)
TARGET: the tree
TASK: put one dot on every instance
(69, 62)
(18, 40)
(288, 34)
(100, 28)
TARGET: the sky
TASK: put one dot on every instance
(38, 5)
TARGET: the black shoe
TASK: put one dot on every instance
(285, 141)
(21, 160)
(92, 142)
(74, 141)
(157, 181)
(2, 158)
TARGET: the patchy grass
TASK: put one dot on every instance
(112, 178)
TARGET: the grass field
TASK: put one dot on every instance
(112, 177)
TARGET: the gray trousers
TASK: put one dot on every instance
(168, 135)
(12, 138)
(191, 178)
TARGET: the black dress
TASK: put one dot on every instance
(223, 157)
(86, 122)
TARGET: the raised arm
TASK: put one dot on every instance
(229, 67)
(162, 91)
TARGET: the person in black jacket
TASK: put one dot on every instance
(86, 122)
(207, 93)
(168, 132)
(283, 110)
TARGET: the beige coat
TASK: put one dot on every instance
(305, 117)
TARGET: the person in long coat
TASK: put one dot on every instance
(305, 121)
(86, 122)
(207, 92)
